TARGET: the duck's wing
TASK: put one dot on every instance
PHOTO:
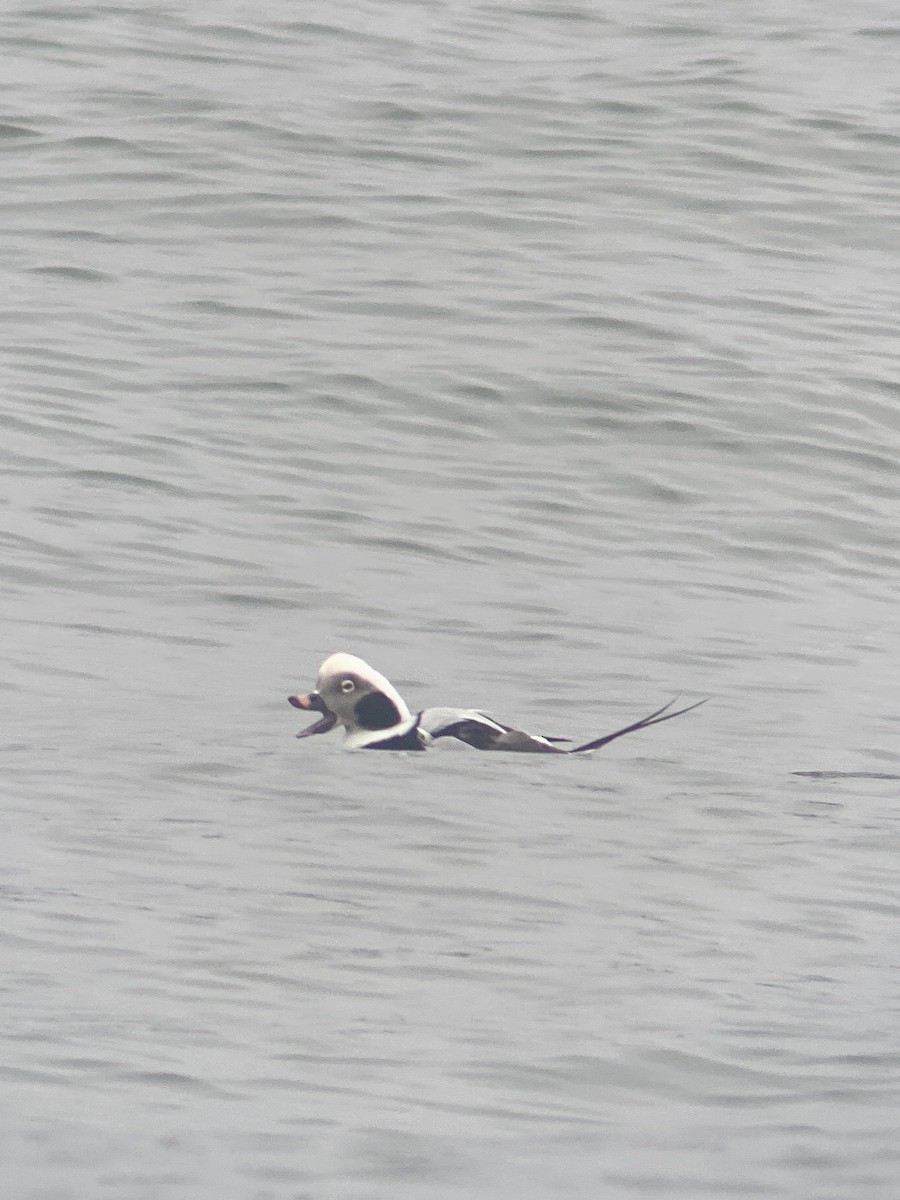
(483, 732)
(655, 718)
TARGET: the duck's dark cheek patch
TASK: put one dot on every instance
(376, 711)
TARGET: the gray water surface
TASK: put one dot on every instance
(546, 357)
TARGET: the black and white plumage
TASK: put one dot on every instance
(375, 716)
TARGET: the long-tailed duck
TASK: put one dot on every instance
(375, 716)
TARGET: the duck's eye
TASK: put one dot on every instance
(347, 685)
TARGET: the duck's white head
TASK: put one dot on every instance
(350, 691)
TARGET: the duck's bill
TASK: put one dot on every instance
(313, 702)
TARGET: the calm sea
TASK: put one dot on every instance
(545, 355)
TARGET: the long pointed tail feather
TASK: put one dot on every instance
(655, 718)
